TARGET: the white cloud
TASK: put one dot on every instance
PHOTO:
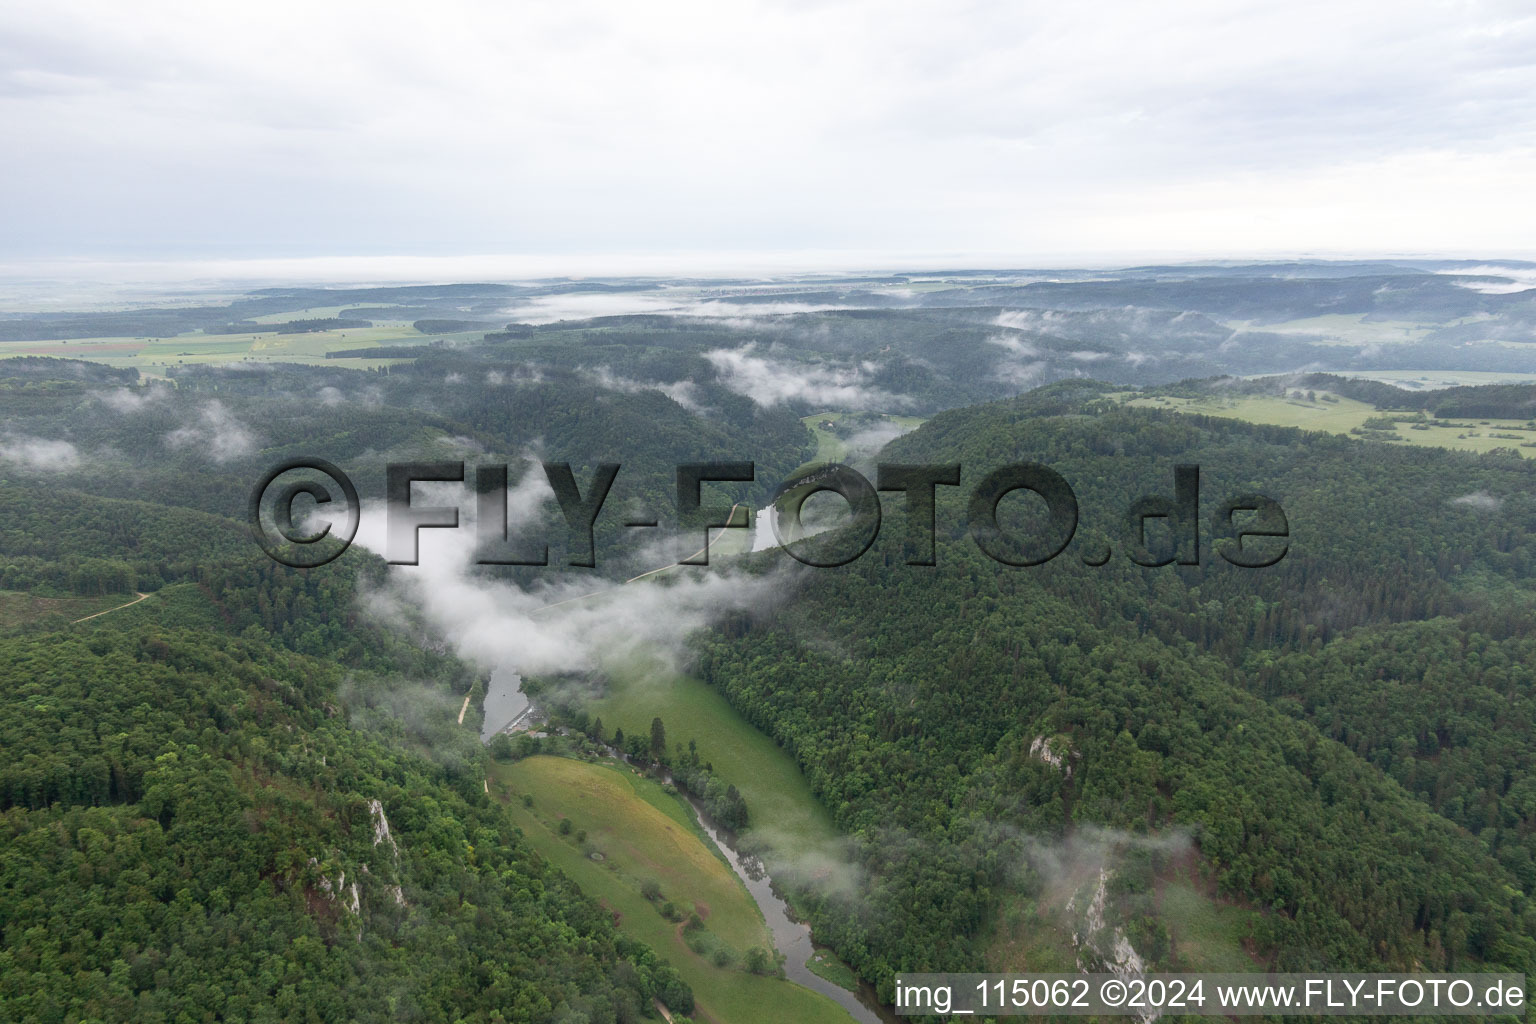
(683, 392)
(769, 381)
(1026, 320)
(216, 432)
(39, 455)
(1018, 368)
(1020, 374)
(569, 625)
(1013, 343)
(870, 440)
(1520, 279)
(130, 400)
(1481, 501)
(547, 309)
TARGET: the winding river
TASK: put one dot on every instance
(505, 703)
(791, 937)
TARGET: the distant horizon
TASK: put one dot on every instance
(55, 282)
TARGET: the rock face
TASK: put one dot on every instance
(1054, 752)
(381, 827)
(1101, 948)
(350, 896)
(381, 835)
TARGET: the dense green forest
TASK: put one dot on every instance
(1343, 736)
(200, 823)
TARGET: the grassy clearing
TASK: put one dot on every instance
(642, 833)
(1021, 941)
(1206, 936)
(18, 608)
(829, 447)
(825, 964)
(784, 812)
(180, 605)
(1344, 415)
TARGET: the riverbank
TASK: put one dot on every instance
(641, 834)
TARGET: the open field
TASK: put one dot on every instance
(1342, 416)
(832, 448)
(778, 797)
(154, 356)
(642, 833)
(829, 447)
(316, 312)
(1352, 328)
(1423, 380)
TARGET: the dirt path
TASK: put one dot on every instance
(136, 600)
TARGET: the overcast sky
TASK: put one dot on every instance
(1031, 130)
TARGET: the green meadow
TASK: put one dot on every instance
(784, 812)
(832, 448)
(1345, 414)
(626, 831)
(153, 357)
(829, 447)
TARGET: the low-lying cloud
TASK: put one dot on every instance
(39, 455)
(131, 400)
(1518, 279)
(1482, 501)
(216, 431)
(683, 392)
(769, 381)
(1017, 366)
(569, 625)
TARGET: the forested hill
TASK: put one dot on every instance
(1344, 738)
(199, 823)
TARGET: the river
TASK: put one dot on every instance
(762, 530)
(504, 702)
(791, 937)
